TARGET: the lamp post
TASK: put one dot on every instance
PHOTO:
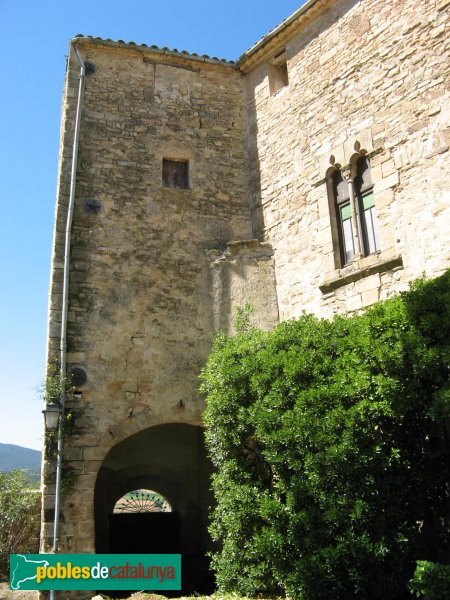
(51, 416)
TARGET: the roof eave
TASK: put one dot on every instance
(183, 55)
(281, 33)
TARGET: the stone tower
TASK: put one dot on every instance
(310, 175)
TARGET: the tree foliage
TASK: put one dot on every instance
(19, 518)
(331, 472)
(431, 581)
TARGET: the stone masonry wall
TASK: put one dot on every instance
(243, 276)
(140, 312)
(155, 270)
(371, 72)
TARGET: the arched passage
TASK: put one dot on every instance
(170, 460)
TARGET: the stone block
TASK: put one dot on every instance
(85, 529)
(388, 237)
(368, 283)
(370, 297)
(368, 261)
(85, 481)
(384, 198)
(387, 167)
(376, 173)
(73, 454)
(386, 183)
(354, 302)
(323, 204)
(85, 546)
(93, 453)
(88, 439)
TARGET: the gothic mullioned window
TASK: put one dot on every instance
(356, 219)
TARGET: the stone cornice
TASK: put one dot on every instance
(278, 37)
(159, 54)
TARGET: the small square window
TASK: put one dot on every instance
(278, 73)
(175, 173)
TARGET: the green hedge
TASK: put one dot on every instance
(19, 517)
(431, 581)
(331, 476)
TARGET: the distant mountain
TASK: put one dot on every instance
(17, 457)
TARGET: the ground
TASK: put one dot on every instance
(7, 594)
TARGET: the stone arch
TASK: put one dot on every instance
(355, 157)
(169, 459)
(138, 421)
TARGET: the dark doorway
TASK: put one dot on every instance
(170, 461)
(144, 533)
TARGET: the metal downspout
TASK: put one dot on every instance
(65, 303)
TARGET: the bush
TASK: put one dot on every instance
(431, 581)
(320, 433)
(19, 518)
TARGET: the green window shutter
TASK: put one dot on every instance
(368, 201)
(346, 212)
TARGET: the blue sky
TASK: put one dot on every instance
(34, 39)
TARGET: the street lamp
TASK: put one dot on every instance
(51, 416)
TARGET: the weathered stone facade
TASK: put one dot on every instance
(370, 72)
(156, 270)
(140, 317)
